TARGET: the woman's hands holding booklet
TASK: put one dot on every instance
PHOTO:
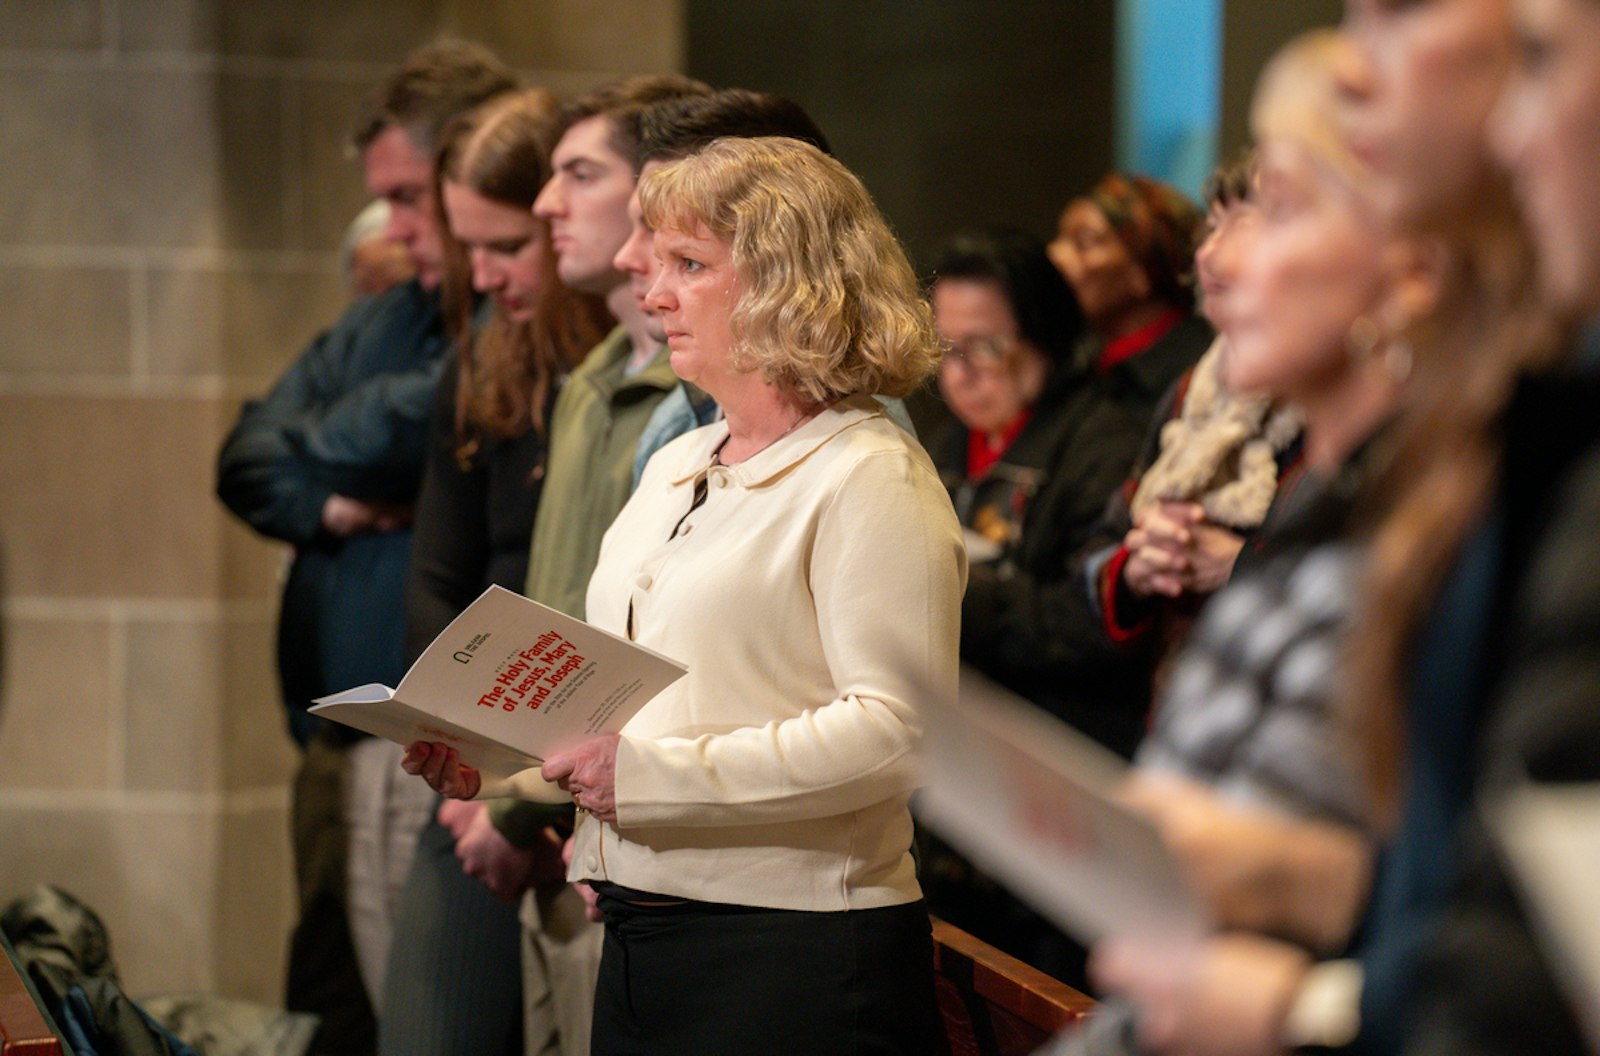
(440, 766)
(587, 772)
(1257, 868)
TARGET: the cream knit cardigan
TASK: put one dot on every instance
(815, 597)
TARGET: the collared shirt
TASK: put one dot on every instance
(815, 598)
(594, 431)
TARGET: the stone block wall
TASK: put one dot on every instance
(173, 191)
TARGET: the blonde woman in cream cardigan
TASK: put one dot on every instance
(748, 831)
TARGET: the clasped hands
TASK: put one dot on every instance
(343, 517)
(486, 855)
(1173, 549)
(587, 771)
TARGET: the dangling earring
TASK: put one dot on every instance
(1396, 349)
(1397, 359)
(1362, 339)
(1366, 337)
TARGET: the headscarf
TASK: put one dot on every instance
(1160, 227)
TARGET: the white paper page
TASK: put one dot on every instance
(522, 675)
(1551, 836)
(372, 691)
(980, 547)
(396, 722)
(1031, 801)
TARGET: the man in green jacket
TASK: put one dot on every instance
(599, 414)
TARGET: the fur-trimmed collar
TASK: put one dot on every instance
(1220, 451)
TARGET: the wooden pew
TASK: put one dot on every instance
(991, 1003)
(23, 1028)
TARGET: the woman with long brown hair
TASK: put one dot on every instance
(1486, 981)
(1423, 655)
(518, 331)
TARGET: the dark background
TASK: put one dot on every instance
(964, 112)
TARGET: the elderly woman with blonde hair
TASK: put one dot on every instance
(1248, 772)
(748, 831)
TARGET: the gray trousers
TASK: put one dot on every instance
(560, 964)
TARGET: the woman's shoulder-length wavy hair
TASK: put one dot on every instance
(829, 304)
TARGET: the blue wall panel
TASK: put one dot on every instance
(1169, 86)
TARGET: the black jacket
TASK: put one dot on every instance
(473, 520)
(349, 417)
(1027, 620)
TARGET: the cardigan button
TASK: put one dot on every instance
(592, 863)
(644, 581)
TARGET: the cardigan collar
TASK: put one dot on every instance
(782, 454)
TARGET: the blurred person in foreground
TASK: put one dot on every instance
(1491, 973)
(748, 831)
(1420, 82)
(1245, 770)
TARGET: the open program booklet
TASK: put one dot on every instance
(507, 683)
(1034, 804)
(1551, 836)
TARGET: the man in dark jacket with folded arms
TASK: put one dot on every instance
(330, 461)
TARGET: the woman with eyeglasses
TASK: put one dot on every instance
(1008, 323)
(1025, 622)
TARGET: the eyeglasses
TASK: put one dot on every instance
(977, 353)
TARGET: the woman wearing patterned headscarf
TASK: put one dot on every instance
(1127, 247)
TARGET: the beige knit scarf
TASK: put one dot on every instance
(1221, 451)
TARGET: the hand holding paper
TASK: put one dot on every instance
(1037, 806)
(441, 767)
(1225, 997)
(508, 683)
(588, 771)
(1258, 869)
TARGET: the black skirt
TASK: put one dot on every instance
(697, 977)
